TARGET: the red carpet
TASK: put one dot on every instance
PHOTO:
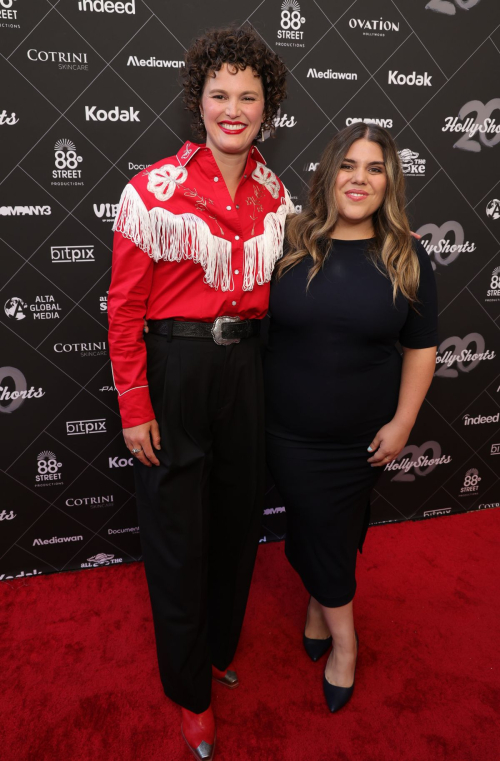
(79, 678)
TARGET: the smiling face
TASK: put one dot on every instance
(232, 106)
(361, 183)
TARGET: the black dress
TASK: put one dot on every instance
(332, 375)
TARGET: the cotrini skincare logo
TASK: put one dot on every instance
(106, 212)
(93, 114)
(480, 419)
(9, 20)
(493, 293)
(92, 502)
(82, 427)
(71, 254)
(478, 130)
(7, 119)
(437, 241)
(374, 27)
(411, 164)
(90, 349)
(470, 485)
(102, 558)
(493, 209)
(66, 162)
(14, 389)
(417, 461)
(48, 470)
(330, 74)
(107, 6)
(23, 211)
(386, 123)
(67, 60)
(43, 308)
(449, 7)
(152, 62)
(455, 355)
(290, 34)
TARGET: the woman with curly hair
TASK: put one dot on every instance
(341, 400)
(196, 238)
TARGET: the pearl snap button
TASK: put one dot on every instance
(237, 206)
(228, 208)
(236, 237)
(236, 272)
(233, 303)
(216, 179)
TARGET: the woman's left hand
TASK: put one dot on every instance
(388, 443)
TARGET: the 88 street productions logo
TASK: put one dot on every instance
(290, 33)
(456, 351)
(421, 460)
(478, 130)
(66, 162)
(8, 16)
(439, 246)
(493, 293)
(470, 486)
(411, 164)
(43, 308)
(48, 470)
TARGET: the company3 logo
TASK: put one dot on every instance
(417, 459)
(448, 6)
(482, 124)
(460, 354)
(438, 245)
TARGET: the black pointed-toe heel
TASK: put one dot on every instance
(315, 648)
(337, 697)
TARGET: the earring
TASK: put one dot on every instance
(264, 133)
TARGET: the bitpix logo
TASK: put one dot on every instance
(411, 164)
(80, 427)
(471, 483)
(493, 209)
(65, 254)
(66, 162)
(495, 449)
(290, 33)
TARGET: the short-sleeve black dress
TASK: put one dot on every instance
(332, 373)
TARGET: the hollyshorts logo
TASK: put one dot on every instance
(434, 513)
(120, 462)
(479, 130)
(102, 558)
(437, 243)
(66, 161)
(71, 254)
(106, 211)
(131, 530)
(290, 34)
(103, 303)
(471, 483)
(14, 389)
(58, 540)
(5, 119)
(330, 74)
(9, 20)
(493, 209)
(48, 470)
(90, 349)
(20, 575)
(495, 449)
(449, 7)
(411, 80)
(5, 516)
(83, 427)
(113, 115)
(285, 121)
(107, 6)
(374, 27)
(92, 502)
(386, 123)
(421, 460)
(43, 308)
(480, 419)
(67, 60)
(411, 165)
(152, 62)
(23, 211)
(456, 351)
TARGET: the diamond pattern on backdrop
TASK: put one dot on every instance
(91, 98)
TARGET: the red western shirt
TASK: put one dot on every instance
(184, 250)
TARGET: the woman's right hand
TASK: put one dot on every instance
(144, 437)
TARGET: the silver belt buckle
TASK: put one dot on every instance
(217, 331)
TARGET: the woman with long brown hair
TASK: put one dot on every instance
(341, 400)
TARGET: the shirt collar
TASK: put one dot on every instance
(189, 149)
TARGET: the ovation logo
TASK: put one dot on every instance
(107, 6)
(153, 62)
(480, 125)
(44, 308)
(22, 211)
(291, 25)
(15, 393)
(113, 115)
(440, 247)
(418, 80)
(73, 61)
(374, 27)
(422, 460)
(329, 74)
(6, 119)
(456, 351)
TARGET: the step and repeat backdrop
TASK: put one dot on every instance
(90, 96)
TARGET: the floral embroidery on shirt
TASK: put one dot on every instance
(257, 207)
(263, 175)
(202, 205)
(163, 181)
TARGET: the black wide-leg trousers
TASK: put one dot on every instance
(200, 510)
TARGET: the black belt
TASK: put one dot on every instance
(225, 330)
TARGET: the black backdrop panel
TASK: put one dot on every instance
(90, 97)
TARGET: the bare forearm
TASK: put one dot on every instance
(416, 376)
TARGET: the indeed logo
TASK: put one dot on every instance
(480, 419)
(107, 6)
(113, 115)
(420, 80)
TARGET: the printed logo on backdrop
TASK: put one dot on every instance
(103, 303)
(387, 123)
(285, 121)
(92, 502)
(106, 211)
(91, 349)
(66, 162)
(22, 211)
(493, 209)
(449, 7)
(93, 114)
(48, 470)
(412, 80)
(83, 427)
(417, 461)
(120, 462)
(58, 540)
(65, 254)
(495, 449)
(330, 74)
(131, 530)
(488, 506)
(439, 511)
(136, 167)
(290, 34)
(439, 248)
(8, 13)
(20, 575)
(153, 62)
(470, 485)
(102, 558)
(374, 27)
(480, 419)
(456, 351)
(274, 510)
(15, 393)
(43, 308)
(67, 60)
(107, 6)
(5, 119)
(7, 516)
(480, 129)
(411, 164)
(108, 388)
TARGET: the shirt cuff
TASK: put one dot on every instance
(135, 407)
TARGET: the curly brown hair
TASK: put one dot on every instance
(241, 47)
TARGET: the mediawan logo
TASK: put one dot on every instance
(43, 308)
(66, 161)
(411, 164)
(159, 63)
(107, 6)
(329, 74)
(290, 33)
(67, 60)
(440, 247)
(493, 293)
(58, 540)
(374, 27)
(8, 13)
(23, 211)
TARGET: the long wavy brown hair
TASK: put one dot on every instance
(309, 233)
